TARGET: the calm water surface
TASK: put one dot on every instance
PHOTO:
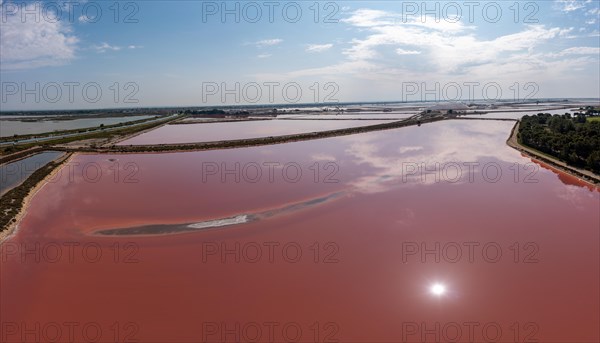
(13, 174)
(11, 127)
(207, 132)
(360, 115)
(518, 253)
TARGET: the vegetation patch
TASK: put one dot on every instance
(574, 140)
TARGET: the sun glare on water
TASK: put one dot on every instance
(438, 289)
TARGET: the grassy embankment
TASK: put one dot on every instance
(128, 130)
(71, 131)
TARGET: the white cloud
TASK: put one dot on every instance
(264, 55)
(447, 48)
(267, 42)
(390, 29)
(404, 150)
(584, 50)
(448, 52)
(401, 51)
(31, 44)
(569, 5)
(593, 11)
(318, 47)
(134, 47)
(365, 17)
(102, 48)
(368, 18)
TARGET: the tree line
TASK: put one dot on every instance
(571, 138)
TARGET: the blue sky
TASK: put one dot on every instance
(174, 53)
